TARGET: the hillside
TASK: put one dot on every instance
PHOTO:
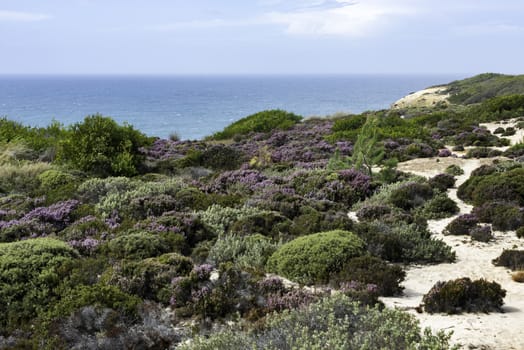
(465, 92)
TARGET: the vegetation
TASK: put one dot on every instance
(115, 240)
(464, 295)
(314, 258)
(265, 121)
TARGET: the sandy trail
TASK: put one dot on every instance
(471, 331)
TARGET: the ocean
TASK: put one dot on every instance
(197, 106)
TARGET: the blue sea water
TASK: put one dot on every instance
(197, 106)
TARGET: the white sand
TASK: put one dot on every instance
(471, 331)
(423, 98)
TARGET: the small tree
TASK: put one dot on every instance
(367, 152)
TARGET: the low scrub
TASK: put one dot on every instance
(265, 121)
(512, 259)
(314, 258)
(464, 295)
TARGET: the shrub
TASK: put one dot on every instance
(403, 242)
(314, 258)
(264, 121)
(100, 146)
(310, 220)
(512, 259)
(454, 170)
(462, 225)
(510, 131)
(481, 234)
(23, 178)
(438, 207)
(499, 130)
(373, 212)
(335, 322)
(267, 223)
(507, 186)
(520, 232)
(442, 182)
(29, 276)
(244, 251)
(411, 195)
(221, 218)
(151, 278)
(372, 270)
(464, 295)
(93, 190)
(137, 246)
(57, 185)
(503, 216)
(483, 152)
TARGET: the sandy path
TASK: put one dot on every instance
(471, 331)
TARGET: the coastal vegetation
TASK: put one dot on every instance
(111, 239)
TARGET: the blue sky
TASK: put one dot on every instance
(261, 36)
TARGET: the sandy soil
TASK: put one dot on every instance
(471, 331)
(423, 98)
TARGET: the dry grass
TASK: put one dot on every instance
(21, 177)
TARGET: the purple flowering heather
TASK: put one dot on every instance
(86, 246)
(203, 272)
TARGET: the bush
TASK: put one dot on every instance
(482, 152)
(23, 178)
(151, 278)
(464, 295)
(462, 225)
(487, 184)
(310, 220)
(373, 212)
(100, 146)
(264, 121)
(246, 252)
(29, 276)
(371, 270)
(442, 182)
(520, 232)
(402, 242)
(137, 246)
(513, 259)
(454, 170)
(335, 322)
(503, 216)
(440, 206)
(481, 234)
(314, 258)
(499, 130)
(411, 195)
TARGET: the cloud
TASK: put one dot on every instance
(347, 18)
(18, 16)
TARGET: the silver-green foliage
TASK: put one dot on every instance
(244, 251)
(221, 218)
(336, 323)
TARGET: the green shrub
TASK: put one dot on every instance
(403, 242)
(100, 146)
(22, 178)
(492, 184)
(29, 276)
(482, 152)
(267, 223)
(264, 121)
(411, 195)
(520, 232)
(315, 257)
(221, 218)
(464, 295)
(151, 278)
(372, 270)
(335, 322)
(511, 258)
(442, 182)
(244, 251)
(137, 246)
(502, 215)
(57, 185)
(454, 170)
(438, 207)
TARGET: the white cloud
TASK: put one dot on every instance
(353, 19)
(18, 16)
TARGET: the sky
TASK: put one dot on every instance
(261, 36)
